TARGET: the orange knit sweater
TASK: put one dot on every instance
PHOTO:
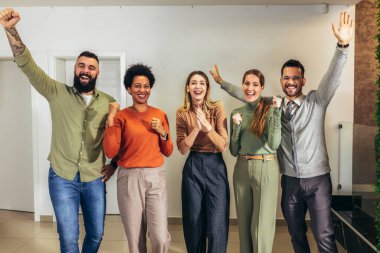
(137, 144)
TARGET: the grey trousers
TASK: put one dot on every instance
(256, 190)
(142, 199)
(300, 194)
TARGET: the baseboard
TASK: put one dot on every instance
(46, 218)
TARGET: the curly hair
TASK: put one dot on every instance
(138, 69)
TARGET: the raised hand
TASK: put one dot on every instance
(158, 127)
(215, 74)
(237, 119)
(9, 18)
(112, 110)
(344, 32)
(205, 125)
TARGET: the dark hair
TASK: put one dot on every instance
(138, 69)
(89, 54)
(294, 64)
(258, 122)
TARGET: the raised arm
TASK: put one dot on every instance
(331, 80)
(233, 90)
(8, 19)
(274, 123)
(112, 135)
(46, 86)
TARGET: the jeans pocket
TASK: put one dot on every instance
(52, 175)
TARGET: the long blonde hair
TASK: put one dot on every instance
(208, 104)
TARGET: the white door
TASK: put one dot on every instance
(16, 157)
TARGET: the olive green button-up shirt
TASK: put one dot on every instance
(77, 130)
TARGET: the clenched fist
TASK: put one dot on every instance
(276, 101)
(112, 110)
(237, 119)
(157, 126)
(9, 18)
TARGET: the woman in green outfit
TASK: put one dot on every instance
(255, 136)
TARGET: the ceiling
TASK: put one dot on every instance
(25, 3)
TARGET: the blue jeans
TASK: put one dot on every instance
(66, 196)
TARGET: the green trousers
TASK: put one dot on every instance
(256, 190)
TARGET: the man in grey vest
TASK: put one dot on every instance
(306, 183)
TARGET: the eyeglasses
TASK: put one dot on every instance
(294, 78)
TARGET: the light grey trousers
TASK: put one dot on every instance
(143, 205)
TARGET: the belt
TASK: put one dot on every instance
(258, 157)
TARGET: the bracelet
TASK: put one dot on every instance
(114, 164)
(342, 46)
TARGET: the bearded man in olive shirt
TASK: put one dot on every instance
(77, 162)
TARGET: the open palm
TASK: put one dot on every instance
(344, 32)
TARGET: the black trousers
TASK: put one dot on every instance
(205, 203)
(300, 194)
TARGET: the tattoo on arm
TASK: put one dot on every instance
(17, 46)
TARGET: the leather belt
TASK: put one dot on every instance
(258, 157)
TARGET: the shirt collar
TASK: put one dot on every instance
(95, 94)
(298, 100)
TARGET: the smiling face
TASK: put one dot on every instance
(140, 89)
(292, 82)
(197, 88)
(85, 74)
(251, 87)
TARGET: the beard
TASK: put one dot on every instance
(295, 93)
(84, 88)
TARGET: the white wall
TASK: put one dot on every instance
(177, 40)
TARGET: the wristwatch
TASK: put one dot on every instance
(342, 46)
(165, 137)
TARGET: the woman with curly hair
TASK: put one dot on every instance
(140, 135)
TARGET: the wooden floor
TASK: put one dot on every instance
(20, 233)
